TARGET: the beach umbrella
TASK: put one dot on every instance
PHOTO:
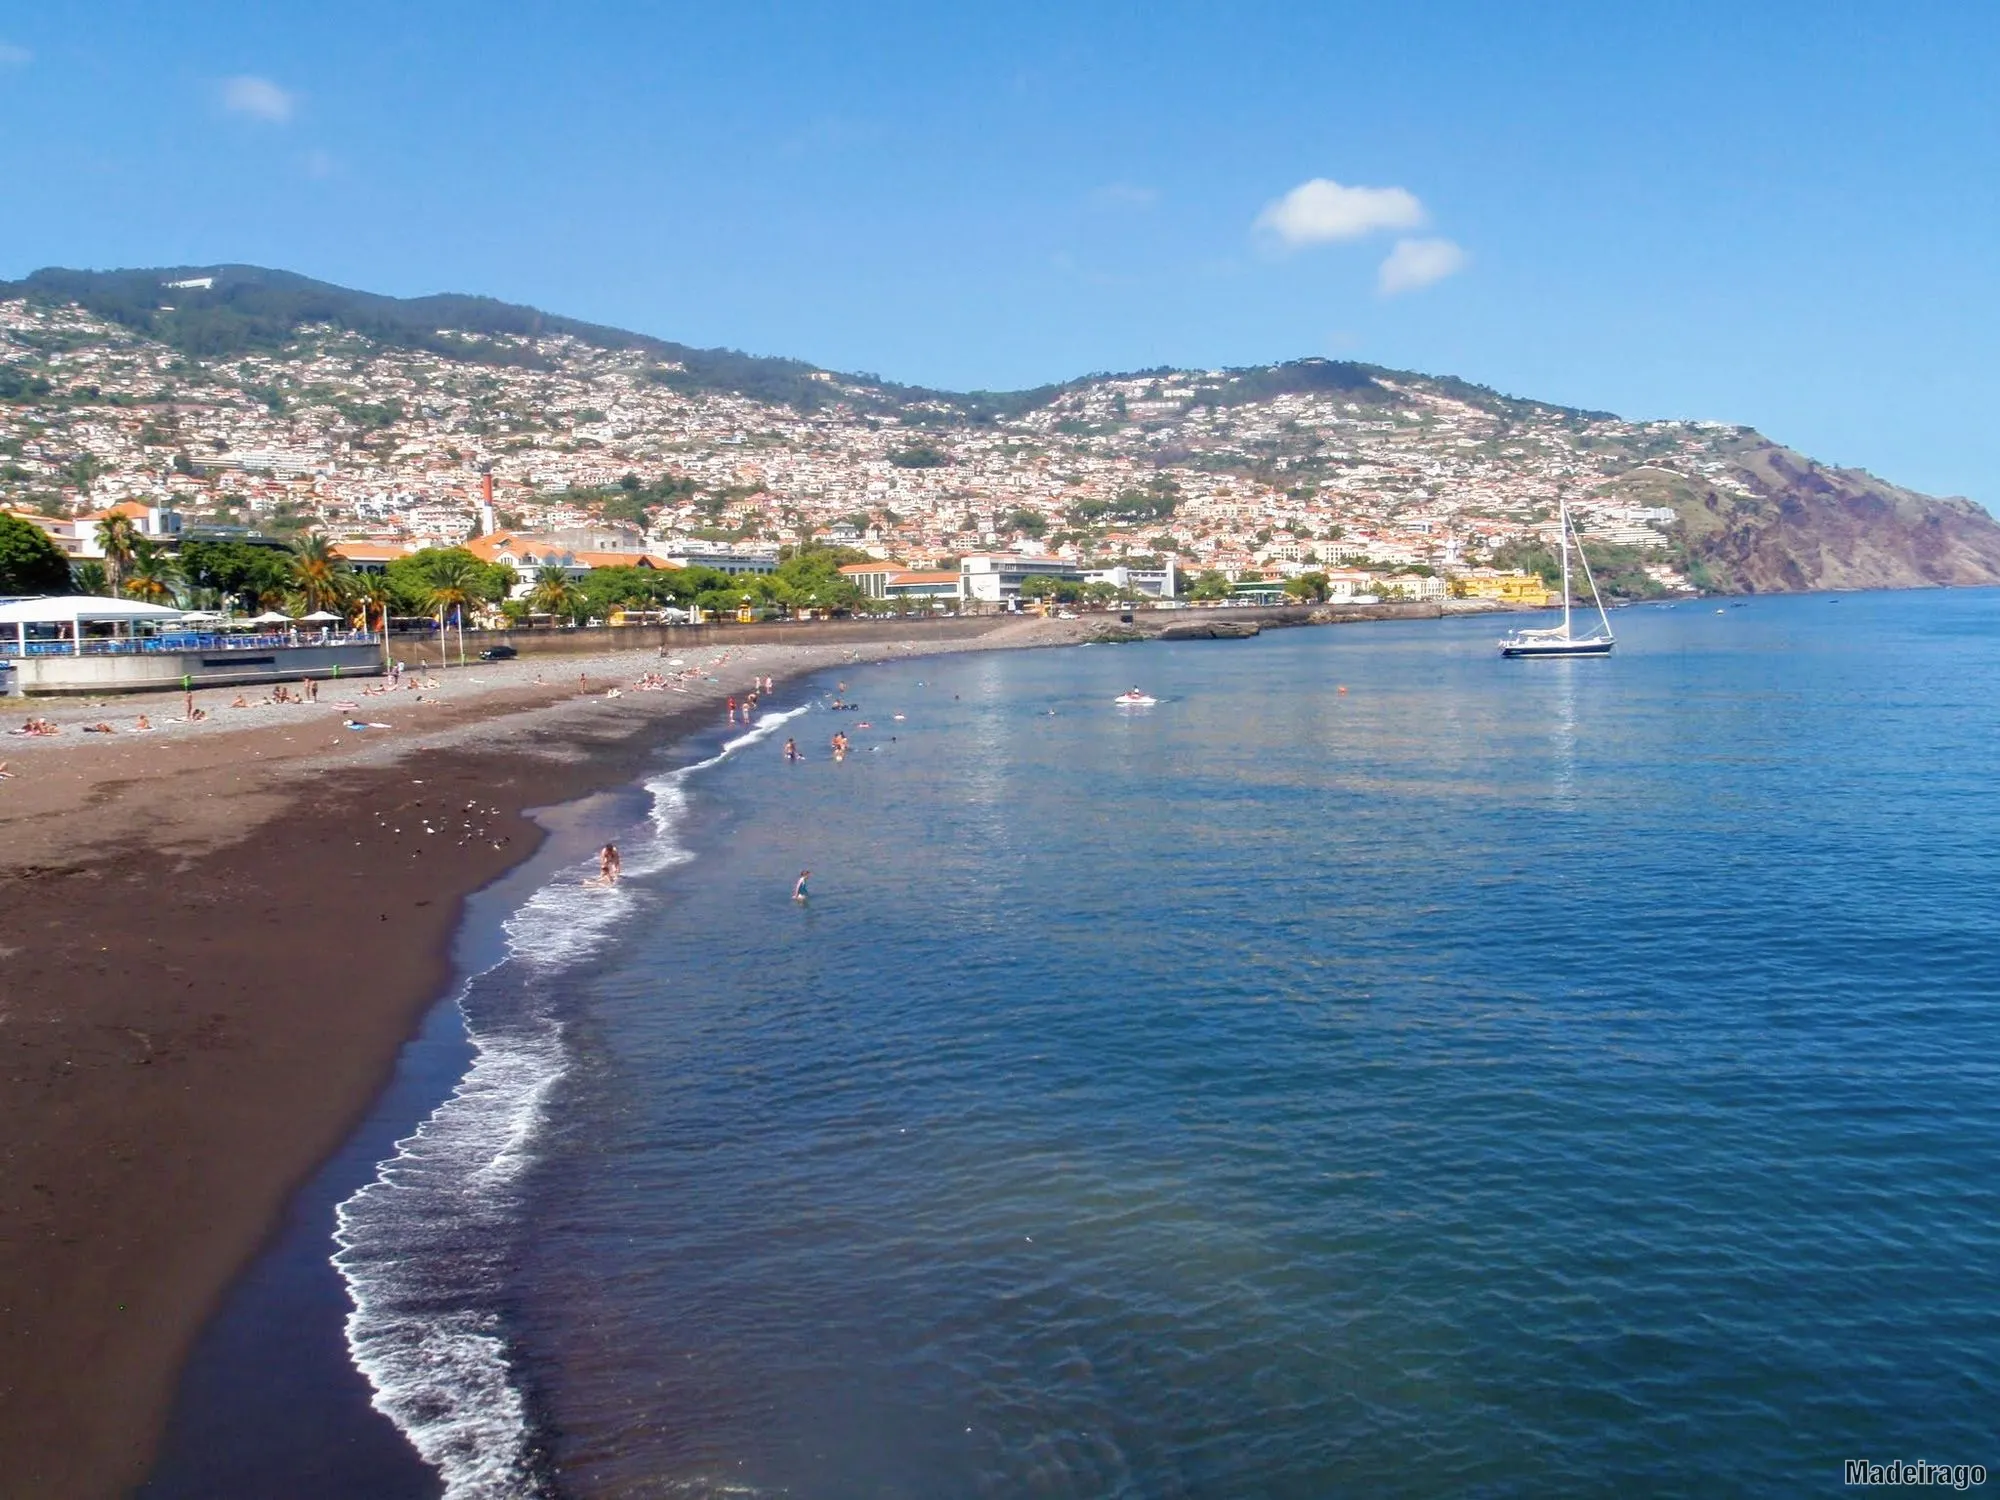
(319, 617)
(271, 617)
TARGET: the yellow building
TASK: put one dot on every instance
(1508, 588)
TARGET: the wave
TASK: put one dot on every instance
(425, 1247)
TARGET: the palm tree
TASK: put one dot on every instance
(89, 578)
(555, 593)
(115, 537)
(454, 587)
(368, 597)
(156, 573)
(318, 572)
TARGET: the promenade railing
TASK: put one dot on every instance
(206, 642)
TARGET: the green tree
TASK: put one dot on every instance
(813, 580)
(688, 585)
(30, 563)
(155, 574)
(318, 572)
(1310, 587)
(555, 593)
(1211, 585)
(236, 570)
(366, 596)
(1039, 586)
(115, 536)
(454, 589)
(415, 578)
(606, 589)
(88, 578)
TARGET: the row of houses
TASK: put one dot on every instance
(984, 577)
(77, 535)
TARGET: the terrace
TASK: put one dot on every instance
(84, 644)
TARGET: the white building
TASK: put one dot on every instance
(996, 577)
(1160, 583)
(720, 556)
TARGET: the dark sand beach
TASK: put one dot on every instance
(213, 942)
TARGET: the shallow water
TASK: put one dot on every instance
(1498, 1078)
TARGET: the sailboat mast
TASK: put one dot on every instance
(1562, 546)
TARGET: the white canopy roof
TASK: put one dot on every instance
(69, 609)
(271, 617)
(318, 617)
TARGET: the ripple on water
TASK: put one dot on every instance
(1491, 1081)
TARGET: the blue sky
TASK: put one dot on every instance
(1779, 214)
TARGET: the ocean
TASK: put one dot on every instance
(1377, 1069)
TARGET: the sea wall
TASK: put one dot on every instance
(598, 639)
(154, 671)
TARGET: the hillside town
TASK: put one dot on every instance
(550, 451)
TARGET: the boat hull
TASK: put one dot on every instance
(1598, 647)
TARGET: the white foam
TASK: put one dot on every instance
(436, 1361)
(423, 1246)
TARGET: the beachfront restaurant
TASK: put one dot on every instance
(79, 644)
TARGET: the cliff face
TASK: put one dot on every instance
(1792, 525)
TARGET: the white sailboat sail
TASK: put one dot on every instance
(1562, 640)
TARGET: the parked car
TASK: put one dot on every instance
(498, 653)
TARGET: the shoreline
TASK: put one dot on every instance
(270, 1399)
(213, 948)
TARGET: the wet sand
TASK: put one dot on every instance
(214, 940)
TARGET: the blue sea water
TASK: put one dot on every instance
(1495, 1078)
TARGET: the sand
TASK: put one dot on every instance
(214, 939)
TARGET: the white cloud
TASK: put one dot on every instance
(259, 98)
(1418, 263)
(12, 56)
(1322, 211)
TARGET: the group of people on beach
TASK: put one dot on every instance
(397, 684)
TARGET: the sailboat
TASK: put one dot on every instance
(1562, 640)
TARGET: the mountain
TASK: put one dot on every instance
(220, 386)
(219, 311)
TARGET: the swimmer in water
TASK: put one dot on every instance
(609, 865)
(792, 750)
(799, 892)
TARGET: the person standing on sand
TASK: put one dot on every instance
(799, 888)
(732, 708)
